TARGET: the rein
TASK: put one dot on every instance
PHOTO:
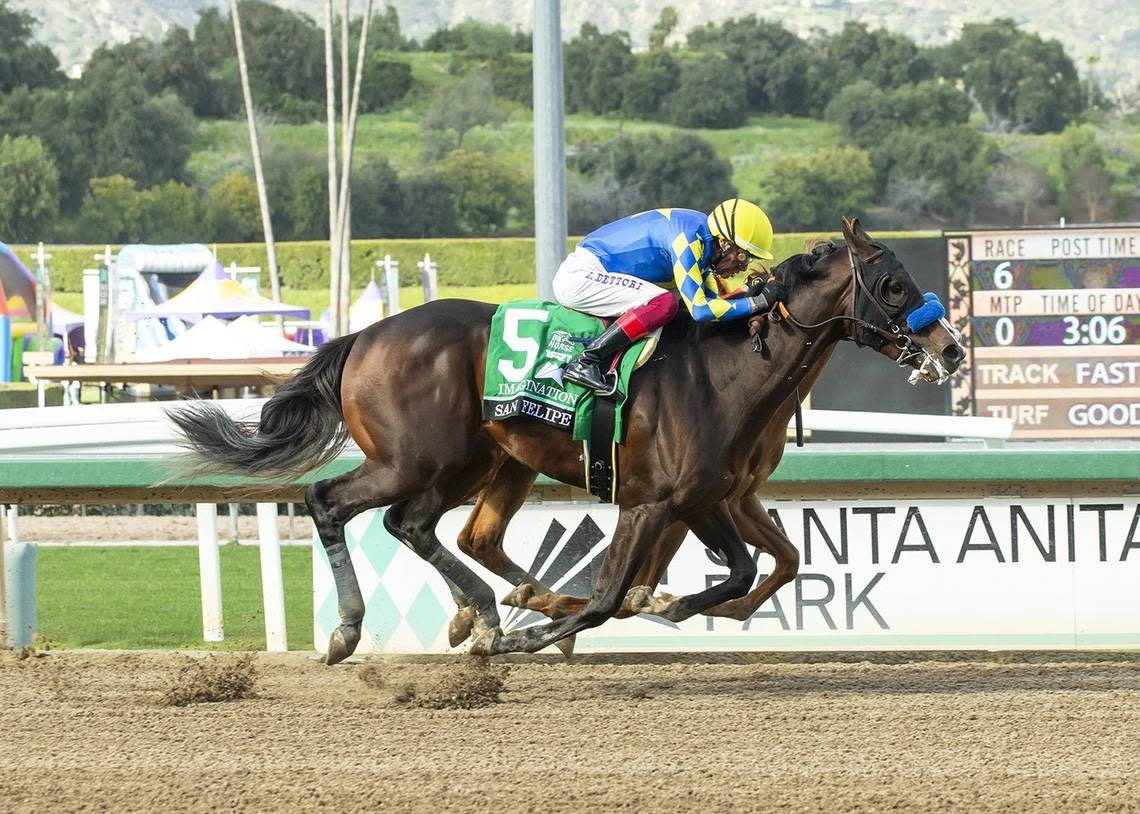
(894, 334)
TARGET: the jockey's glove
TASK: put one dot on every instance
(769, 295)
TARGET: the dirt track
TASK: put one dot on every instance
(87, 732)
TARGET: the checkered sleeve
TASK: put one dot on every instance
(701, 294)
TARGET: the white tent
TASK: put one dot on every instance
(212, 338)
(367, 309)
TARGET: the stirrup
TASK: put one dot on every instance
(611, 378)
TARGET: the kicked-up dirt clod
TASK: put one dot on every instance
(212, 679)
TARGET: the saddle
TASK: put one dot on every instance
(529, 345)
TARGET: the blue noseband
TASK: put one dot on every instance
(930, 311)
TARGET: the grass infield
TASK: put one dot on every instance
(148, 597)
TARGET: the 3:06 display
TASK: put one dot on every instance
(1096, 330)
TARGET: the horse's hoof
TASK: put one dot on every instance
(566, 645)
(639, 599)
(519, 596)
(487, 642)
(342, 643)
(460, 627)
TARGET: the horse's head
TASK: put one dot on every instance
(863, 289)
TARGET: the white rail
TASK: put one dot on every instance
(930, 426)
(116, 429)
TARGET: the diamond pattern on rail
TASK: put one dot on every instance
(426, 617)
(381, 617)
(377, 545)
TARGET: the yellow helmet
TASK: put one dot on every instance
(744, 224)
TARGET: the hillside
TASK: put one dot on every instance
(222, 146)
(1107, 29)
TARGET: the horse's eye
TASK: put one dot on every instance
(897, 289)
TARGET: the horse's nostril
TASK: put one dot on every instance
(953, 354)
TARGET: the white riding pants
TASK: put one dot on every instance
(582, 283)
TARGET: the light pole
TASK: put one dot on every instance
(549, 147)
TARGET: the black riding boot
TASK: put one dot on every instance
(586, 369)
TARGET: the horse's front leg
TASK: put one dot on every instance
(715, 528)
(638, 529)
(760, 531)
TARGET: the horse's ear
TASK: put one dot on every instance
(858, 239)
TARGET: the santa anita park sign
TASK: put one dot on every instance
(1032, 573)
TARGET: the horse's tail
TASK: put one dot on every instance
(300, 428)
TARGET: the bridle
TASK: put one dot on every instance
(893, 332)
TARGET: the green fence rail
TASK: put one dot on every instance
(48, 476)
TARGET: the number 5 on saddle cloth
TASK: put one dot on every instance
(530, 344)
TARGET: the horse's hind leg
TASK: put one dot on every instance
(332, 503)
(413, 522)
(482, 535)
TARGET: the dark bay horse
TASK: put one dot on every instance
(408, 391)
(483, 534)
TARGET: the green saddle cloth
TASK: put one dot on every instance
(531, 341)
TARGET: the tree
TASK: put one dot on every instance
(377, 200)
(866, 113)
(1081, 173)
(432, 206)
(384, 32)
(306, 215)
(385, 82)
(24, 62)
(861, 110)
(883, 58)
(487, 190)
(148, 140)
(593, 62)
(29, 194)
(654, 76)
(593, 200)
(512, 78)
(778, 70)
(816, 191)
(285, 56)
(182, 71)
(958, 158)
(46, 115)
(666, 167)
(477, 39)
(1018, 78)
(1019, 186)
(666, 22)
(460, 106)
(660, 170)
(234, 213)
(112, 211)
(708, 96)
(172, 213)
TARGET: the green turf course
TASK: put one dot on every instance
(148, 597)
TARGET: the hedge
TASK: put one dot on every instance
(461, 261)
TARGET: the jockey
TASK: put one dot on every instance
(622, 269)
